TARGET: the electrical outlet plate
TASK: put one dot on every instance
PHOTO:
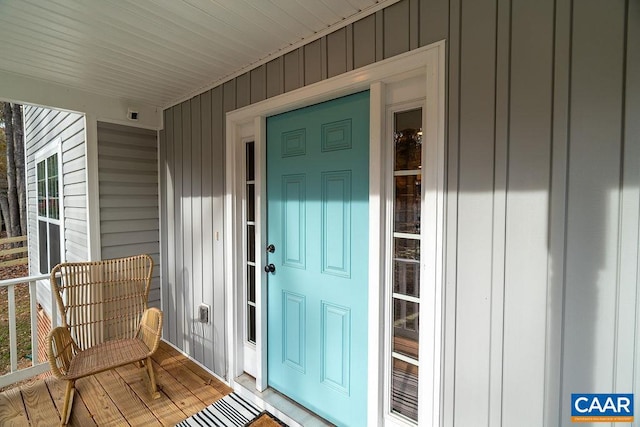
(203, 313)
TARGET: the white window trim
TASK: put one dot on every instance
(53, 147)
(428, 60)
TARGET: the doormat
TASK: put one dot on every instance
(266, 420)
(230, 411)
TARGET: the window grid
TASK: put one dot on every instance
(250, 228)
(406, 261)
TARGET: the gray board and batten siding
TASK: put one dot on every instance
(129, 203)
(44, 127)
(543, 196)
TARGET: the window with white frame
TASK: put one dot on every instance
(48, 217)
(403, 253)
(250, 225)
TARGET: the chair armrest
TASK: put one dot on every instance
(150, 329)
(62, 349)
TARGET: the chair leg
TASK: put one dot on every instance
(68, 402)
(153, 388)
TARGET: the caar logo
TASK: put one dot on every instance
(588, 408)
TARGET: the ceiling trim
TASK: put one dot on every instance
(29, 90)
(381, 4)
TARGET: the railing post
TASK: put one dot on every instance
(13, 341)
(34, 323)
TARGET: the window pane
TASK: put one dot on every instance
(251, 283)
(251, 243)
(407, 209)
(407, 139)
(43, 247)
(405, 327)
(41, 171)
(251, 327)
(251, 204)
(404, 389)
(406, 278)
(407, 249)
(52, 166)
(54, 249)
(250, 161)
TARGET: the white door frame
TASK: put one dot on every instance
(428, 60)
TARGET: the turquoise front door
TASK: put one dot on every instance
(317, 200)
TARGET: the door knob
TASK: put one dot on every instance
(269, 268)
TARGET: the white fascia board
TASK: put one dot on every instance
(28, 90)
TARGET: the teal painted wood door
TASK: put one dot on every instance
(317, 201)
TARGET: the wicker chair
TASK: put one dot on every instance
(105, 320)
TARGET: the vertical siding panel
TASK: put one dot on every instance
(292, 71)
(312, 62)
(220, 105)
(594, 196)
(170, 305)
(243, 88)
(629, 299)
(186, 292)
(195, 327)
(379, 35)
(500, 188)
(207, 226)
(275, 77)
(229, 91)
(337, 52)
(349, 47)
(323, 57)
(364, 41)
(557, 213)
(414, 24)
(258, 83)
(179, 285)
(475, 205)
(434, 21)
(528, 206)
(397, 28)
(451, 255)
(166, 197)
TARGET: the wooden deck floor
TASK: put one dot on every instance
(119, 397)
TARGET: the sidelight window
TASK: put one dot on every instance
(404, 253)
(250, 229)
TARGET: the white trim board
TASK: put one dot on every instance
(428, 61)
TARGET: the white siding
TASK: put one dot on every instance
(43, 127)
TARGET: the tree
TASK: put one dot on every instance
(4, 203)
(12, 203)
(21, 187)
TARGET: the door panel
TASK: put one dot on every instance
(317, 200)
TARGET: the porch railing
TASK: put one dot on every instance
(36, 367)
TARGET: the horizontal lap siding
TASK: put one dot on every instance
(128, 183)
(43, 127)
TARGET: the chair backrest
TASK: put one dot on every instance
(102, 300)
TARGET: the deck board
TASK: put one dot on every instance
(12, 411)
(118, 397)
(163, 409)
(80, 415)
(40, 408)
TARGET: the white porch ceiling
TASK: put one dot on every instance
(157, 51)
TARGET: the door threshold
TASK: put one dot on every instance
(288, 411)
